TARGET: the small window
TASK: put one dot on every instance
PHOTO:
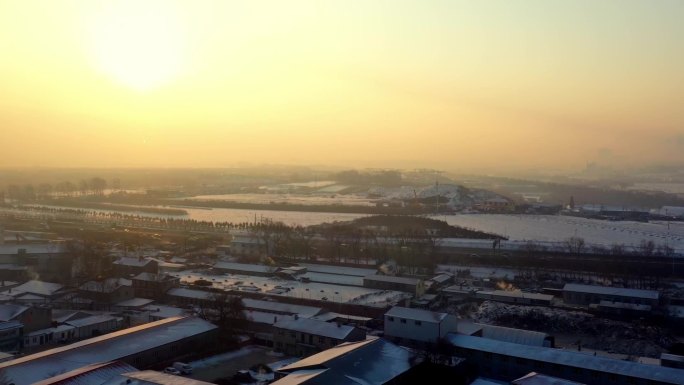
(418, 323)
(403, 321)
(391, 319)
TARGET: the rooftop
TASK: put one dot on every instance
(541, 379)
(319, 328)
(148, 377)
(372, 361)
(135, 302)
(32, 248)
(516, 294)
(108, 347)
(284, 308)
(151, 277)
(570, 358)
(89, 374)
(615, 291)
(338, 270)
(36, 287)
(92, 320)
(416, 314)
(9, 311)
(390, 278)
(136, 262)
(107, 286)
(189, 293)
(243, 267)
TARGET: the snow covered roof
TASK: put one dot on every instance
(10, 325)
(56, 329)
(32, 248)
(92, 320)
(246, 267)
(136, 262)
(390, 278)
(263, 317)
(541, 379)
(107, 286)
(625, 305)
(319, 328)
(329, 316)
(416, 314)
(163, 311)
(9, 311)
(283, 308)
(150, 377)
(569, 358)
(37, 287)
(615, 291)
(372, 361)
(151, 277)
(487, 381)
(351, 280)
(189, 293)
(135, 302)
(95, 374)
(442, 278)
(112, 346)
(338, 270)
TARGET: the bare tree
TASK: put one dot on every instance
(646, 248)
(575, 245)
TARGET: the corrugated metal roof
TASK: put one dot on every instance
(319, 328)
(616, 291)
(416, 314)
(541, 379)
(570, 359)
(373, 361)
(113, 346)
(94, 374)
(37, 287)
(243, 267)
(390, 278)
(153, 377)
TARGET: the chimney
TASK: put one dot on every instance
(296, 316)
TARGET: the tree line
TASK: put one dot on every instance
(42, 191)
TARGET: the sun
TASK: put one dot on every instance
(139, 44)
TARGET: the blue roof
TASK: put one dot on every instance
(571, 359)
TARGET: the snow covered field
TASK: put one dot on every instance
(559, 228)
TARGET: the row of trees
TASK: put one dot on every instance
(29, 192)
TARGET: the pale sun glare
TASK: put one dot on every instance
(138, 43)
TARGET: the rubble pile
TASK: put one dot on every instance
(631, 338)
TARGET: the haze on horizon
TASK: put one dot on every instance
(486, 85)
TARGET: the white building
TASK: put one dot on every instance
(409, 325)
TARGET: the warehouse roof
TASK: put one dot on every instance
(390, 278)
(319, 328)
(569, 358)
(90, 374)
(616, 291)
(372, 361)
(108, 347)
(416, 314)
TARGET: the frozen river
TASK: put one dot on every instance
(554, 228)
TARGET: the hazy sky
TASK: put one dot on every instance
(459, 85)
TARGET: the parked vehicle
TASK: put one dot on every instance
(182, 367)
(172, 370)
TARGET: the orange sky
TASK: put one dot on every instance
(458, 85)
